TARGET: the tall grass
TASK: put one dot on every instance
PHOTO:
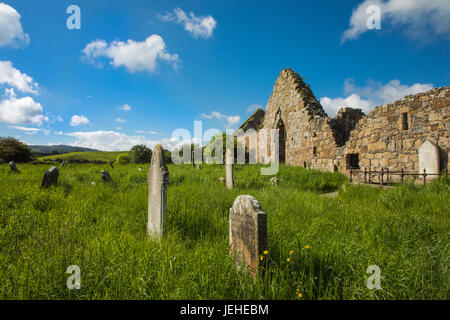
(101, 228)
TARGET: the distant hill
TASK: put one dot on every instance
(40, 151)
(84, 156)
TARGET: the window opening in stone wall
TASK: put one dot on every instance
(405, 121)
(352, 161)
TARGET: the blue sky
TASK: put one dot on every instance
(175, 62)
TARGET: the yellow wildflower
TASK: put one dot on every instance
(262, 257)
(315, 278)
(291, 252)
(266, 252)
(306, 247)
(300, 295)
(288, 259)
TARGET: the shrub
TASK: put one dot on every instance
(12, 149)
(140, 154)
(123, 158)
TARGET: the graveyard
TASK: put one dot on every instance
(317, 246)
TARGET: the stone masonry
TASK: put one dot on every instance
(388, 137)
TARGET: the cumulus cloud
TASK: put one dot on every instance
(120, 120)
(13, 77)
(125, 107)
(78, 120)
(202, 27)
(133, 55)
(11, 32)
(21, 110)
(116, 141)
(373, 94)
(418, 18)
(230, 120)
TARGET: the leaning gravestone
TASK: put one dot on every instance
(50, 177)
(158, 179)
(13, 167)
(106, 177)
(429, 159)
(229, 174)
(248, 231)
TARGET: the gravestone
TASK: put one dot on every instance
(158, 179)
(13, 167)
(106, 177)
(248, 232)
(229, 174)
(63, 164)
(274, 181)
(50, 177)
(429, 159)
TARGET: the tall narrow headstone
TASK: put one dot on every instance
(50, 177)
(229, 174)
(13, 167)
(158, 179)
(248, 231)
(429, 159)
(106, 177)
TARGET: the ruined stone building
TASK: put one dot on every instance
(389, 137)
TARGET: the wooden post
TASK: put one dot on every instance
(402, 175)
(382, 173)
(365, 175)
(424, 176)
(351, 180)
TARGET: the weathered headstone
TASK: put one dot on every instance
(106, 177)
(248, 231)
(274, 181)
(63, 164)
(429, 159)
(50, 177)
(13, 167)
(229, 174)
(158, 179)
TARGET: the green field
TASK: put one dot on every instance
(101, 229)
(90, 156)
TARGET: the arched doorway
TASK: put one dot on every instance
(281, 140)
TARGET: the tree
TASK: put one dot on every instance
(12, 149)
(123, 158)
(140, 154)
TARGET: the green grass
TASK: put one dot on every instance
(90, 156)
(101, 228)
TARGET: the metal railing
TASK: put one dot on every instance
(386, 173)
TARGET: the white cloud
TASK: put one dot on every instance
(419, 18)
(230, 120)
(116, 141)
(371, 95)
(21, 111)
(11, 32)
(134, 56)
(30, 131)
(59, 118)
(198, 26)
(13, 77)
(125, 107)
(253, 108)
(78, 120)
(59, 133)
(155, 133)
(120, 120)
